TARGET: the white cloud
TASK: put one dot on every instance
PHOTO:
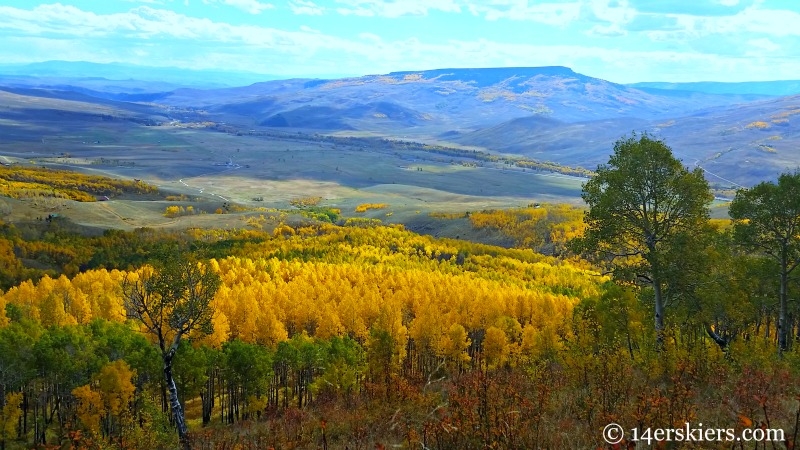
(250, 6)
(615, 12)
(115, 32)
(762, 45)
(305, 7)
(728, 2)
(370, 37)
(752, 22)
(167, 37)
(686, 28)
(772, 22)
(558, 14)
(612, 30)
(395, 8)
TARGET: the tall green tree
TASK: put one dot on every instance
(642, 203)
(171, 301)
(767, 219)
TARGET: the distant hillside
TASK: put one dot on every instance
(330, 118)
(772, 88)
(442, 100)
(737, 145)
(29, 114)
(93, 75)
(583, 144)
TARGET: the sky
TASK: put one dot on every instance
(623, 41)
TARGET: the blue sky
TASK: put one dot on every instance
(618, 40)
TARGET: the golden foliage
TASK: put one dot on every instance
(116, 387)
(32, 182)
(495, 346)
(538, 226)
(90, 407)
(782, 116)
(759, 125)
(362, 222)
(345, 281)
(9, 415)
(364, 207)
(305, 202)
(766, 148)
(92, 294)
(177, 211)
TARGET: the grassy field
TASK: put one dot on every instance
(212, 169)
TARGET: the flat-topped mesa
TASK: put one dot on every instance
(491, 75)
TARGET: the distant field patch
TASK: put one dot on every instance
(448, 215)
(305, 202)
(442, 168)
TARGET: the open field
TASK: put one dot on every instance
(211, 169)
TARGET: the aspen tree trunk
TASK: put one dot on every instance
(659, 316)
(207, 398)
(783, 343)
(174, 403)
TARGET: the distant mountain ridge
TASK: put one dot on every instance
(771, 88)
(737, 145)
(739, 132)
(491, 75)
(446, 99)
(94, 74)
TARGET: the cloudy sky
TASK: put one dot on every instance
(618, 40)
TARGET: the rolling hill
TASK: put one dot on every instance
(442, 100)
(740, 133)
(737, 145)
(772, 88)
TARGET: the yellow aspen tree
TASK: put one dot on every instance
(454, 346)
(427, 328)
(51, 307)
(495, 347)
(9, 416)
(26, 297)
(329, 325)
(74, 300)
(3, 318)
(220, 334)
(90, 407)
(116, 388)
(103, 293)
